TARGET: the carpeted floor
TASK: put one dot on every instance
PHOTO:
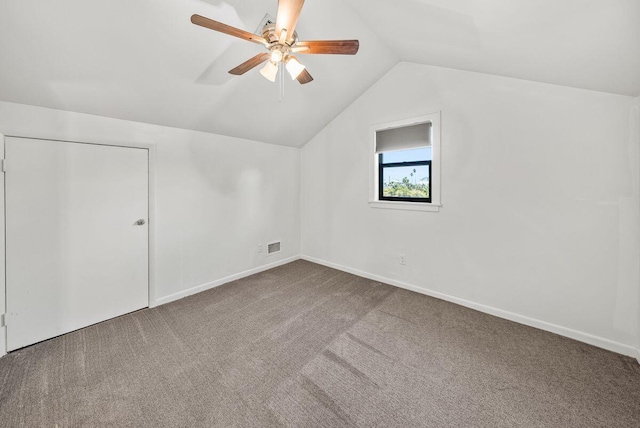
(307, 346)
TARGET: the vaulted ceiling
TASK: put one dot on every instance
(143, 60)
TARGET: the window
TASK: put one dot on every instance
(406, 169)
(405, 175)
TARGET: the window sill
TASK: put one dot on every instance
(408, 206)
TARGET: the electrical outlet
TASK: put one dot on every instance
(260, 248)
(403, 259)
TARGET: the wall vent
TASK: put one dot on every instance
(274, 247)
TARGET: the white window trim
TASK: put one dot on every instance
(435, 204)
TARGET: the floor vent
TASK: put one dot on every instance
(273, 248)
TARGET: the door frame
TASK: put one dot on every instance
(151, 194)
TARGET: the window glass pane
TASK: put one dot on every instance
(406, 182)
(420, 154)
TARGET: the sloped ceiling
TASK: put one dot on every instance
(143, 60)
(590, 44)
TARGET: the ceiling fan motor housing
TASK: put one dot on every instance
(269, 34)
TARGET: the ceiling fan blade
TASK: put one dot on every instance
(318, 47)
(249, 64)
(287, 17)
(304, 77)
(227, 29)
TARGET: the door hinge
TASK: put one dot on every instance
(4, 165)
(3, 320)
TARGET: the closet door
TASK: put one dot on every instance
(76, 236)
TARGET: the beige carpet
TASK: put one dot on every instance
(307, 346)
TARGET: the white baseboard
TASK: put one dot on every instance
(219, 282)
(638, 355)
(600, 342)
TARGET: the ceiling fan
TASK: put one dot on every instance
(281, 41)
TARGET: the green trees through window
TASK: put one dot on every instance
(405, 175)
(406, 188)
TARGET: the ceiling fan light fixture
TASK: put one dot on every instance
(276, 55)
(294, 67)
(269, 71)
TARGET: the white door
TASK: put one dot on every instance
(75, 251)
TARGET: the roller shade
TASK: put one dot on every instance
(404, 138)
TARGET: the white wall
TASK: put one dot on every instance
(3, 335)
(540, 201)
(635, 132)
(217, 197)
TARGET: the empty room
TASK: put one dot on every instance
(320, 213)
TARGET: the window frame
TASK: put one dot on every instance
(375, 199)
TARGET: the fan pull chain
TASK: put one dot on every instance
(281, 81)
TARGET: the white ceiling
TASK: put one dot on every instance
(590, 44)
(143, 60)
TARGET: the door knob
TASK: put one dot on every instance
(140, 222)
